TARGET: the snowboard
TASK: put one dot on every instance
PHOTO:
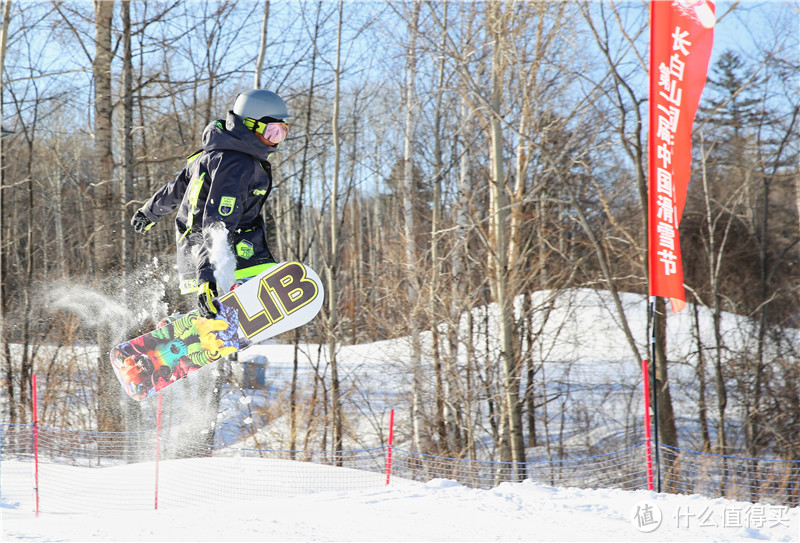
(279, 299)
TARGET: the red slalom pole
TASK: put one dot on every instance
(389, 448)
(158, 445)
(35, 443)
(647, 431)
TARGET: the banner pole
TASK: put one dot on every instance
(681, 40)
(655, 391)
(35, 406)
(389, 448)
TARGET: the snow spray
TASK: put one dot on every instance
(109, 307)
(222, 257)
(95, 309)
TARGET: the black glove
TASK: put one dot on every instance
(140, 222)
(205, 300)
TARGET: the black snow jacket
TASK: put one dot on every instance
(227, 183)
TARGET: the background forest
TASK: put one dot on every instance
(443, 156)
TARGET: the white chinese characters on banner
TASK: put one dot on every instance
(670, 80)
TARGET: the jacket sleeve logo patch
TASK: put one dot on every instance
(226, 205)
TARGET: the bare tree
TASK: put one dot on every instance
(411, 259)
(500, 152)
(109, 413)
(496, 28)
(333, 249)
(7, 361)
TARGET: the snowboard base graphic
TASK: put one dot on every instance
(279, 299)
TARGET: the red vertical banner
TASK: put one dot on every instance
(681, 37)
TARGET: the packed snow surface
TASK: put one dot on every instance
(440, 510)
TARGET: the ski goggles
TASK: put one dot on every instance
(273, 131)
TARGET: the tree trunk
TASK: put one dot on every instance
(700, 372)
(262, 47)
(797, 194)
(666, 416)
(409, 219)
(460, 278)
(714, 257)
(296, 213)
(502, 291)
(667, 430)
(109, 413)
(7, 362)
(753, 406)
(132, 409)
(442, 396)
(333, 256)
(127, 142)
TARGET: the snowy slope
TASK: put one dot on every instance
(440, 510)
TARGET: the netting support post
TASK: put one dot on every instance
(389, 447)
(35, 408)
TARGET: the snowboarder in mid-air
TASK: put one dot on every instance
(221, 237)
(225, 183)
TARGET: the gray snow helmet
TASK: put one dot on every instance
(259, 103)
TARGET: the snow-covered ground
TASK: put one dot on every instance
(581, 343)
(439, 510)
